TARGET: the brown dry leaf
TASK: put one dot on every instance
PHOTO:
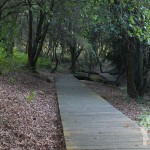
(126, 125)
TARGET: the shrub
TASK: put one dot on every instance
(144, 120)
(44, 62)
(19, 59)
(95, 78)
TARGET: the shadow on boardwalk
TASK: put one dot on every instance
(91, 123)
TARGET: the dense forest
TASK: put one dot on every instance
(85, 33)
(46, 45)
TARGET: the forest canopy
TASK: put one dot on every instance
(91, 31)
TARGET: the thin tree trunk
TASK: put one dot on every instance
(31, 65)
(38, 51)
(73, 59)
(143, 88)
(38, 34)
(56, 60)
(100, 65)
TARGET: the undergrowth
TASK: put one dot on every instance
(19, 60)
(144, 120)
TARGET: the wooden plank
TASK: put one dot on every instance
(91, 123)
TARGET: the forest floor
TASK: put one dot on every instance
(29, 114)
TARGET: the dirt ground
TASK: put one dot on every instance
(29, 114)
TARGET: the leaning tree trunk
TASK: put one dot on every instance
(41, 42)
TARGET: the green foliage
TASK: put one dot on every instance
(18, 60)
(6, 65)
(31, 96)
(95, 78)
(10, 63)
(132, 17)
(2, 53)
(44, 62)
(144, 120)
(22, 58)
(5, 62)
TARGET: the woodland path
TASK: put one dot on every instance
(91, 123)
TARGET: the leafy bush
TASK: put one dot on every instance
(144, 120)
(95, 78)
(8, 64)
(4, 61)
(44, 62)
(18, 60)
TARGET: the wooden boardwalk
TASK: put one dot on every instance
(91, 123)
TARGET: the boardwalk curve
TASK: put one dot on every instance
(91, 123)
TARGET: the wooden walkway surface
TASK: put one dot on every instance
(91, 123)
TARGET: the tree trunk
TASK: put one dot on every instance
(73, 59)
(56, 60)
(62, 51)
(10, 48)
(35, 46)
(90, 65)
(40, 44)
(30, 64)
(138, 67)
(143, 88)
(131, 87)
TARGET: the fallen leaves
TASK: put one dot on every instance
(32, 124)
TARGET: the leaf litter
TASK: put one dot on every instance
(29, 114)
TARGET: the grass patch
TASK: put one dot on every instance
(18, 61)
(44, 62)
(95, 78)
(20, 58)
(31, 96)
(11, 63)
